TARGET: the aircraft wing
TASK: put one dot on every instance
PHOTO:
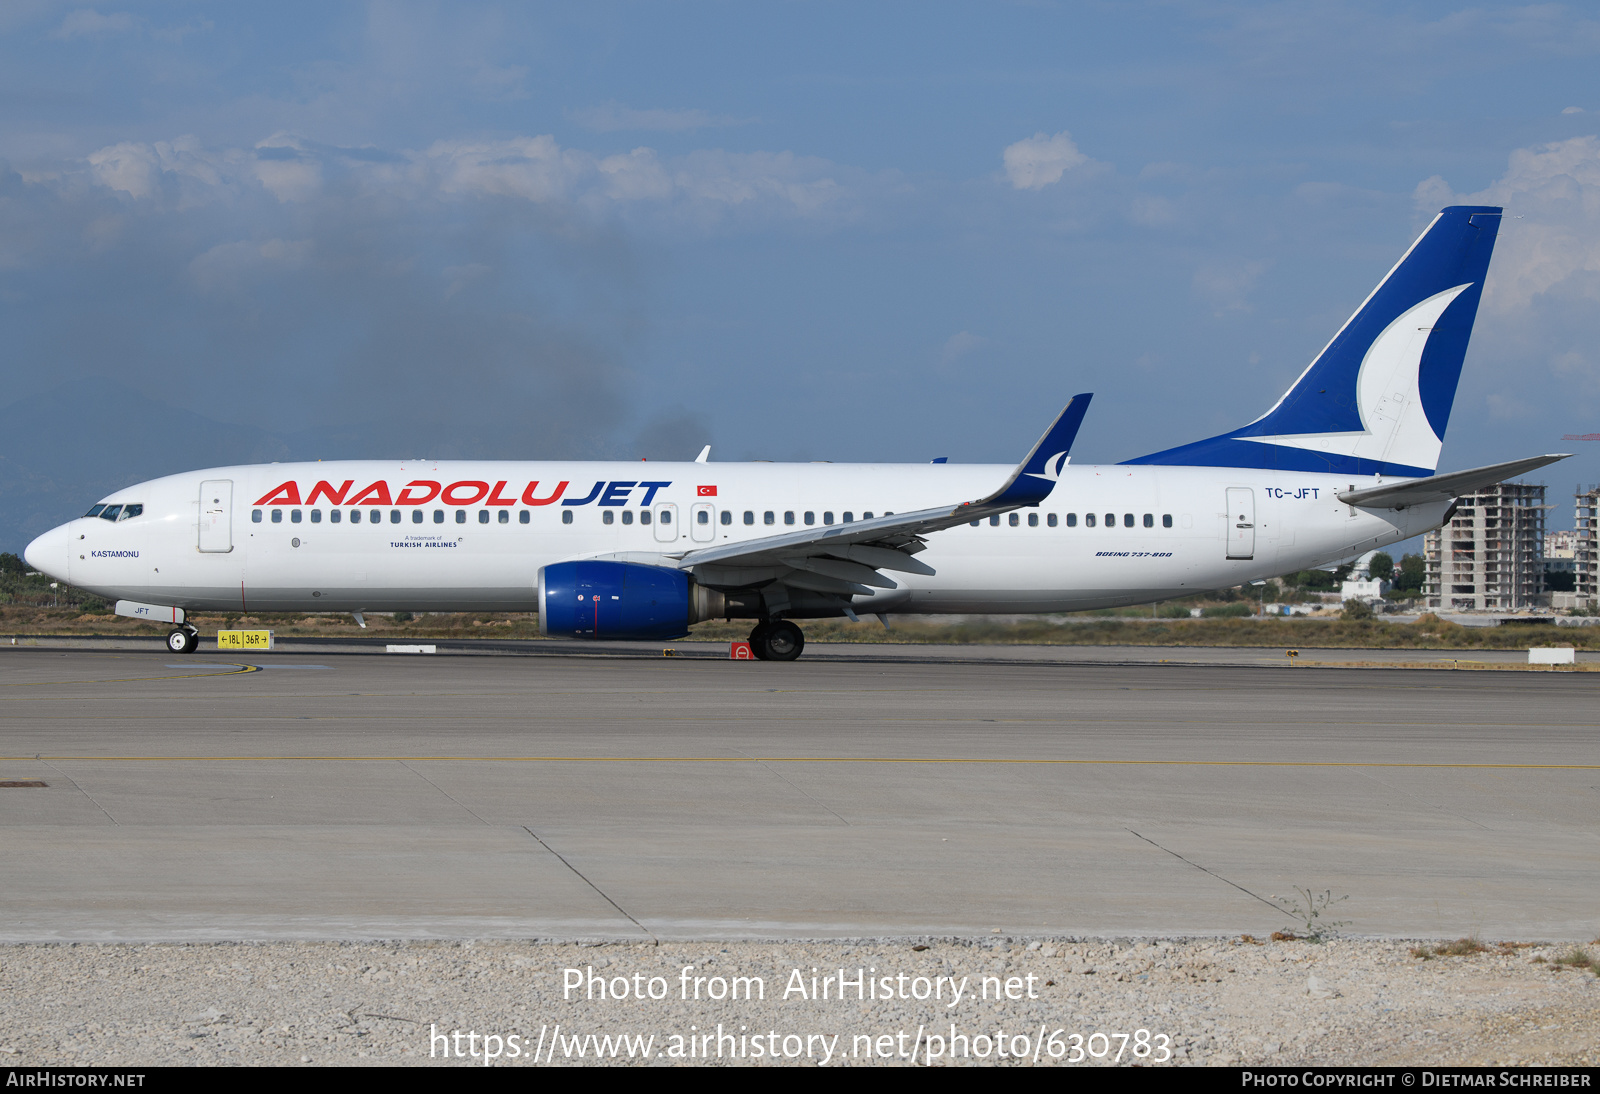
(844, 559)
(1401, 495)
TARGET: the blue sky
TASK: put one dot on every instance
(794, 231)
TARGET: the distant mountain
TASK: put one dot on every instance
(64, 449)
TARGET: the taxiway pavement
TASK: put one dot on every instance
(301, 795)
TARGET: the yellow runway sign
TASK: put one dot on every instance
(244, 640)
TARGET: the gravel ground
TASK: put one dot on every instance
(1206, 1001)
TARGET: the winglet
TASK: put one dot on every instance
(1036, 475)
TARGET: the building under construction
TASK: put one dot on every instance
(1490, 553)
(1585, 552)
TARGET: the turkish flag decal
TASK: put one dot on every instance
(707, 491)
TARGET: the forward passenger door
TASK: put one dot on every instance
(216, 516)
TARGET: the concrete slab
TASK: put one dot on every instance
(374, 796)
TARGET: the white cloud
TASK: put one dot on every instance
(701, 186)
(614, 117)
(1573, 110)
(1152, 211)
(225, 266)
(86, 23)
(1227, 284)
(1549, 244)
(132, 168)
(958, 346)
(1041, 160)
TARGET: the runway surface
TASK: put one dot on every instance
(362, 795)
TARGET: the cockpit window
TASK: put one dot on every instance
(131, 511)
(95, 510)
(110, 512)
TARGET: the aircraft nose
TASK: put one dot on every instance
(50, 553)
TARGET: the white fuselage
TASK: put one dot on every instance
(472, 536)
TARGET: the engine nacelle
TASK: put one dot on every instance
(600, 599)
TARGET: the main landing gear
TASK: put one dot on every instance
(777, 640)
(183, 640)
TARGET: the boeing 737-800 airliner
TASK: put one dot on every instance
(1343, 463)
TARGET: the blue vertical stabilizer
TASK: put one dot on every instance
(1377, 398)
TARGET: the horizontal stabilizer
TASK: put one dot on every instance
(1402, 495)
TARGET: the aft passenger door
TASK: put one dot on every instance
(216, 516)
(1241, 522)
(666, 522)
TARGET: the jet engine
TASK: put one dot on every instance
(601, 599)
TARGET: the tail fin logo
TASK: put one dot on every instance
(1396, 430)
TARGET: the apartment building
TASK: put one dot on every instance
(1490, 555)
(1585, 552)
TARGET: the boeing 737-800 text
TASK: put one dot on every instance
(1343, 463)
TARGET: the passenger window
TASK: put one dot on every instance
(1072, 520)
(627, 516)
(1033, 520)
(1127, 520)
(438, 516)
(110, 512)
(994, 521)
(848, 516)
(131, 511)
(1111, 520)
(255, 516)
(316, 516)
(827, 517)
(461, 516)
(976, 523)
(703, 517)
(644, 516)
(1149, 520)
(749, 516)
(522, 516)
(1088, 520)
(665, 517)
(375, 516)
(505, 516)
(727, 517)
(334, 516)
(394, 516)
(483, 516)
(866, 516)
(355, 516)
(566, 516)
(1051, 520)
(1166, 520)
(607, 517)
(277, 516)
(94, 510)
(416, 516)
(810, 517)
(1013, 520)
(769, 517)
